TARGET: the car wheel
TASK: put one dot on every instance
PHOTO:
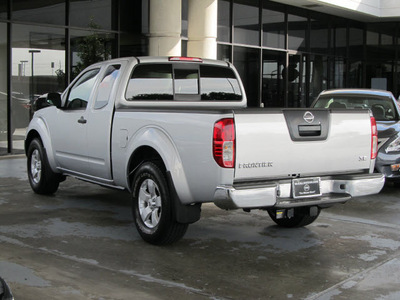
(41, 178)
(152, 207)
(300, 218)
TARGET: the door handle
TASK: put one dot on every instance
(82, 120)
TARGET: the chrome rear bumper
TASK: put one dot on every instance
(278, 194)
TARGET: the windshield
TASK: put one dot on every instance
(382, 108)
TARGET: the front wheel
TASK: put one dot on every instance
(41, 178)
(302, 216)
(152, 207)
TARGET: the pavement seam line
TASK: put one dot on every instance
(356, 277)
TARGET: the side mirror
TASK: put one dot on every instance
(47, 100)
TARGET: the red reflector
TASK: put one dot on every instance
(183, 58)
(224, 143)
(374, 138)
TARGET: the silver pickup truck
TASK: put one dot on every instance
(175, 132)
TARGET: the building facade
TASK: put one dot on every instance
(286, 51)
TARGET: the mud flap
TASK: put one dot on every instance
(185, 214)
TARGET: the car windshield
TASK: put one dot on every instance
(382, 107)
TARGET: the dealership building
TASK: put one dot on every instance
(286, 51)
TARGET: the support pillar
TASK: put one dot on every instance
(165, 28)
(202, 28)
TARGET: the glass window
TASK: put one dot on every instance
(184, 12)
(224, 21)
(97, 14)
(49, 12)
(150, 82)
(224, 52)
(246, 22)
(356, 42)
(4, 9)
(80, 92)
(3, 87)
(186, 81)
(274, 28)
(38, 67)
(106, 85)
(340, 41)
(297, 32)
(219, 84)
(382, 107)
(89, 47)
(319, 36)
(247, 63)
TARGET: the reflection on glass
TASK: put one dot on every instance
(247, 63)
(101, 12)
(89, 47)
(37, 51)
(79, 94)
(224, 21)
(150, 82)
(3, 9)
(274, 28)
(246, 22)
(319, 36)
(49, 12)
(297, 32)
(106, 85)
(3, 88)
(219, 84)
(186, 81)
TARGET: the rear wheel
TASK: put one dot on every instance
(152, 207)
(302, 216)
(41, 178)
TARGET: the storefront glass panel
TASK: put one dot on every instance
(247, 62)
(224, 21)
(246, 22)
(318, 76)
(319, 37)
(95, 14)
(273, 85)
(297, 32)
(89, 47)
(38, 67)
(224, 52)
(3, 9)
(274, 28)
(39, 11)
(3, 88)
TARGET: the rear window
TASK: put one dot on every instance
(184, 82)
(382, 108)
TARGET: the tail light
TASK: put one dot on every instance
(224, 143)
(374, 138)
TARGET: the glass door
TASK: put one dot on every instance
(273, 85)
(294, 74)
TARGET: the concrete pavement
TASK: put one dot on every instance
(81, 244)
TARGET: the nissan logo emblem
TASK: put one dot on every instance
(308, 117)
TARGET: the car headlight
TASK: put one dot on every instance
(394, 146)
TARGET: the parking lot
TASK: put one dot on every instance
(81, 244)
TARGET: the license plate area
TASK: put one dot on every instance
(306, 187)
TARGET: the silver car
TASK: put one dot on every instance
(387, 115)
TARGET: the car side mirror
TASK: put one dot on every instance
(46, 100)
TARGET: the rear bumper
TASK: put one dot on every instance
(278, 194)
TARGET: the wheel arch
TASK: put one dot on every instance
(155, 145)
(38, 129)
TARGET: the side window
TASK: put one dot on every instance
(150, 82)
(79, 93)
(218, 84)
(106, 86)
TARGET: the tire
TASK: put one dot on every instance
(152, 207)
(300, 218)
(41, 178)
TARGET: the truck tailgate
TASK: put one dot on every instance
(297, 143)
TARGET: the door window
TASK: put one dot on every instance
(80, 92)
(106, 86)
